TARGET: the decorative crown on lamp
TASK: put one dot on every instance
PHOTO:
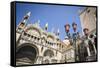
(67, 27)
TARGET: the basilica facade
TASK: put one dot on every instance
(35, 45)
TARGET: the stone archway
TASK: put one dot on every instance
(49, 53)
(26, 54)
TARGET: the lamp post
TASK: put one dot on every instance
(74, 37)
(86, 33)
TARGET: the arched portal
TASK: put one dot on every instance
(49, 53)
(26, 54)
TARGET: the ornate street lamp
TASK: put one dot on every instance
(74, 25)
(67, 27)
(75, 36)
(86, 31)
(86, 41)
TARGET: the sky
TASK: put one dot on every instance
(56, 16)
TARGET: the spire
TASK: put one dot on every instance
(29, 13)
(58, 31)
(26, 17)
(22, 24)
(37, 23)
(52, 30)
(46, 26)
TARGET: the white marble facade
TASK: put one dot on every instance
(47, 47)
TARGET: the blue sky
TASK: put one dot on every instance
(56, 16)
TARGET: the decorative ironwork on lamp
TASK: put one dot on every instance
(67, 27)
